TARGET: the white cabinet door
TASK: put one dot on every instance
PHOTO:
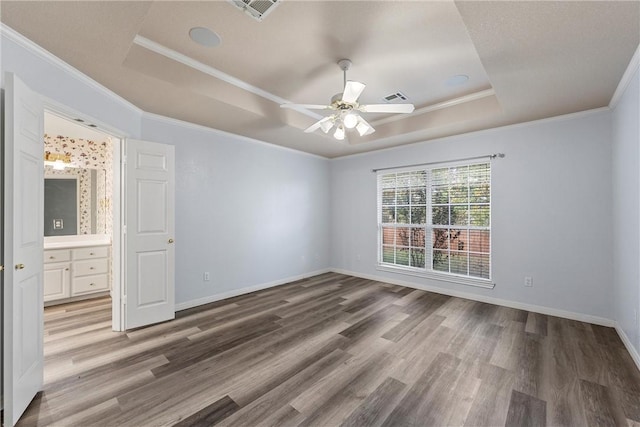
(57, 281)
(149, 221)
(23, 247)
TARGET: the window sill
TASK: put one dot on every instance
(460, 280)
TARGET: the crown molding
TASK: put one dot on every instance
(11, 34)
(564, 117)
(218, 132)
(633, 66)
(214, 72)
(65, 112)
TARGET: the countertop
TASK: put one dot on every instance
(81, 241)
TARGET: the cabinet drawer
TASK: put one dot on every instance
(57, 255)
(91, 252)
(90, 267)
(88, 284)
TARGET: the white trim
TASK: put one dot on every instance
(193, 126)
(235, 292)
(633, 66)
(439, 106)
(38, 50)
(490, 300)
(627, 343)
(214, 72)
(474, 133)
(117, 259)
(442, 277)
(65, 112)
(118, 138)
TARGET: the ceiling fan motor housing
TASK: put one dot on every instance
(339, 104)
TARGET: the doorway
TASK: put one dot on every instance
(148, 279)
(82, 217)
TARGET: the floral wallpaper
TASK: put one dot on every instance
(86, 155)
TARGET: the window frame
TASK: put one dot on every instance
(427, 271)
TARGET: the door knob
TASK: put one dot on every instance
(170, 240)
(19, 266)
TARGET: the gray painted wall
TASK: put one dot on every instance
(626, 211)
(248, 212)
(551, 211)
(61, 203)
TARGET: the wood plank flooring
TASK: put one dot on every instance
(334, 350)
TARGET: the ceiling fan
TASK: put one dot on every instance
(347, 109)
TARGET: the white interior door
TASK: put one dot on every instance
(23, 247)
(149, 227)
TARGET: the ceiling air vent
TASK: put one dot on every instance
(397, 97)
(258, 9)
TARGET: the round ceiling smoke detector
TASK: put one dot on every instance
(457, 80)
(204, 37)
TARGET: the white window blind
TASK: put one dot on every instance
(436, 219)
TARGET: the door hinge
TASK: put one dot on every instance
(124, 229)
(1, 267)
(124, 159)
(123, 300)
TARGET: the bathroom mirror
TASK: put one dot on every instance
(76, 202)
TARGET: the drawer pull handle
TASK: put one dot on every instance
(91, 268)
(66, 269)
(92, 284)
(91, 253)
(52, 257)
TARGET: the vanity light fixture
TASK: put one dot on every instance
(58, 161)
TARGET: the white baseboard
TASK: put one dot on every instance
(490, 300)
(247, 290)
(497, 301)
(627, 343)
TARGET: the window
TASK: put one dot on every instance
(437, 220)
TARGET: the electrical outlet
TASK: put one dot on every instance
(528, 281)
(205, 276)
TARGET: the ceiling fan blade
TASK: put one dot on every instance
(352, 91)
(319, 124)
(387, 108)
(364, 128)
(307, 106)
(327, 125)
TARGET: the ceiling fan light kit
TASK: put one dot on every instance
(350, 120)
(347, 109)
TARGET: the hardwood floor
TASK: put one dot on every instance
(334, 350)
